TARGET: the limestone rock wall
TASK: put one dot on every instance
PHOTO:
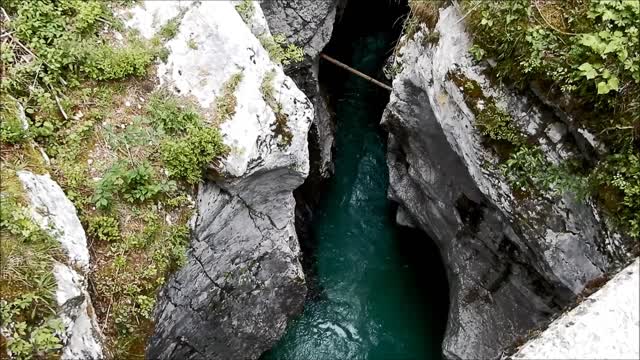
(243, 280)
(512, 261)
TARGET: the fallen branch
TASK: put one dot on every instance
(356, 72)
(616, 128)
(64, 114)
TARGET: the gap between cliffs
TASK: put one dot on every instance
(377, 290)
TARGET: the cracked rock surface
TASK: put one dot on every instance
(242, 280)
(512, 261)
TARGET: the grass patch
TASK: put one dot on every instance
(226, 103)
(88, 104)
(282, 130)
(146, 158)
(426, 11)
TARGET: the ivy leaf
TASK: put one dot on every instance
(602, 88)
(593, 42)
(606, 87)
(613, 83)
(588, 71)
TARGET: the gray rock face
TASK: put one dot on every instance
(243, 279)
(306, 23)
(511, 261)
(309, 24)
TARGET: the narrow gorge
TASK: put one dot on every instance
(378, 291)
(197, 180)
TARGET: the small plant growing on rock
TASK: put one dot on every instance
(186, 157)
(104, 228)
(282, 128)
(169, 30)
(280, 51)
(246, 10)
(192, 44)
(226, 102)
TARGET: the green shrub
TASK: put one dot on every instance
(246, 9)
(587, 51)
(186, 157)
(169, 115)
(617, 182)
(104, 228)
(135, 184)
(496, 124)
(280, 51)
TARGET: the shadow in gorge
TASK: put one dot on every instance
(380, 289)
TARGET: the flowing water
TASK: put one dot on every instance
(377, 298)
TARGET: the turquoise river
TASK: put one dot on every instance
(381, 288)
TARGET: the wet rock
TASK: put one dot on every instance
(54, 213)
(512, 260)
(242, 280)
